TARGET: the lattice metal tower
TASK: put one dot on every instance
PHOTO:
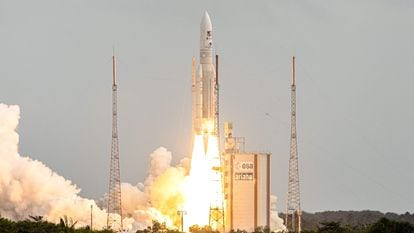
(216, 215)
(114, 219)
(293, 211)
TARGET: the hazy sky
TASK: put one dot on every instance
(354, 82)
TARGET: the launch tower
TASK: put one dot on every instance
(114, 208)
(293, 211)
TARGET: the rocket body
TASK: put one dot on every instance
(204, 83)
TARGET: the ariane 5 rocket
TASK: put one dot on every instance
(205, 84)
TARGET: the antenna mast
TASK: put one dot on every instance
(114, 219)
(293, 211)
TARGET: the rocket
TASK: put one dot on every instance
(205, 84)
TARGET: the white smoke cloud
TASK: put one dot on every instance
(160, 160)
(28, 187)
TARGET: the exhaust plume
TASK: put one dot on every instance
(28, 187)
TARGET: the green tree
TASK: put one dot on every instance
(7, 226)
(331, 227)
(238, 231)
(36, 218)
(262, 230)
(385, 225)
(157, 227)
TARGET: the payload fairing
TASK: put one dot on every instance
(204, 84)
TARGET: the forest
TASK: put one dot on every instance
(36, 224)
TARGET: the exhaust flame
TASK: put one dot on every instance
(196, 190)
(204, 186)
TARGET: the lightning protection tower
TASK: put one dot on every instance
(293, 211)
(114, 219)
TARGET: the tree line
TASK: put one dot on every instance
(36, 224)
(383, 225)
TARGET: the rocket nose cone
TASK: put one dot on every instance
(206, 22)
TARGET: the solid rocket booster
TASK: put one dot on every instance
(204, 83)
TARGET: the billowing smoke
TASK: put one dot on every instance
(28, 187)
(160, 196)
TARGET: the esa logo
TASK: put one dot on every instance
(243, 166)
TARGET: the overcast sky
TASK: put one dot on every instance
(354, 89)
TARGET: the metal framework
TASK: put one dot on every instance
(216, 215)
(293, 211)
(114, 208)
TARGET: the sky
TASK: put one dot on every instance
(354, 88)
